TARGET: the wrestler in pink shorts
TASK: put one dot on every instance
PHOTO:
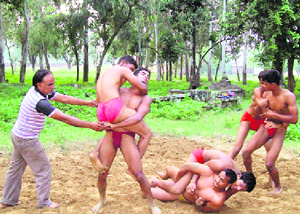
(110, 110)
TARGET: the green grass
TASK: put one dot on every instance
(186, 118)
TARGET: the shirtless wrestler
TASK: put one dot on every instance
(210, 187)
(111, 107)
(281, 108)
(108, 146)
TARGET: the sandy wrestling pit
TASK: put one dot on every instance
(74, 181)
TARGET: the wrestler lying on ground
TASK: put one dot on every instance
(217, 161)
(209, 194)
(110, 106)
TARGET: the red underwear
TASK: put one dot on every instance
(110, 110)
(254, 123)
(117, 136)
(198, 154)
(271, 131)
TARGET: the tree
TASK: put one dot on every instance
(2, 67)
(109, 17)
(274, 26)
(71, 26)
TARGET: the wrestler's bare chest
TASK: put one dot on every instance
(278, 104)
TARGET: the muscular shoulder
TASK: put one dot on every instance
(288, 96)
(146, 98)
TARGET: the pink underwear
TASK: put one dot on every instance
(110, 110)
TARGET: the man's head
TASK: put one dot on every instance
(247, 180)
(269, 78)
(128, 62)
(225, 177)
(44, 81)
(143, 74)
(260, 75)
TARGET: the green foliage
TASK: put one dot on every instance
(293, 132)
(175, 118)
(187, 109)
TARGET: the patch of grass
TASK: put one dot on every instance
(186, 118)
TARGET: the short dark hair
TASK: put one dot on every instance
(137, 71)
(39, 76)
(249, 179)
(271, 76)
(231, 175)
(129, 60)
(260, 75)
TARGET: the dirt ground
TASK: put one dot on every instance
(74, 181)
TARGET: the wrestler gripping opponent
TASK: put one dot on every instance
(281, 109)
(111, 108)
(217, 161)
(251, 119)
(108, 146)
(209, 195)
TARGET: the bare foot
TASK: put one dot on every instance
(97, 207)
(129, 172)
(276, 190)
(161, 174)
(3, 206)
(54, 205)
(97, 165)
(155, 210)
(152, 181)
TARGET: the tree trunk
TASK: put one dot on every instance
(194, 83)
(156, 52)
(25, 44)
(86, 47)
(217, 70)
(45, 52)
(32, 59)
(170, 71)
(245, 59)
(41, 61)
(77, 64)
(86, 56)
(10, 57)
(278, 63)
(175, 70)
(195, 77)
(291, 79)
(181, 66)
(140, 62)
(147, 58)
(2, 66)
(187, 73)
(167, 72)
(209, 77)
(162, 71)
(69, 62)
(237, 69)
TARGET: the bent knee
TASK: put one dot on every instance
(270, 165)
(140, 177)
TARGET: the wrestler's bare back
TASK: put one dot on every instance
(224, 161)
(109, 83)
